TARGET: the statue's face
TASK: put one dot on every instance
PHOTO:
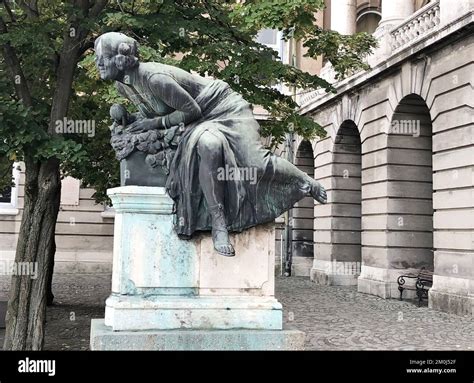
(104, 60)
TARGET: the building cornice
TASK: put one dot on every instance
(442, 35)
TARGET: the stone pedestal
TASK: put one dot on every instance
(169, 293)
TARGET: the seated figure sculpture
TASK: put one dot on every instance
(219, 175)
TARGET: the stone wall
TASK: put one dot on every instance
(414, 116)
(84, 232)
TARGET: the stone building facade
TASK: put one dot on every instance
(84, 230)
(398, 158)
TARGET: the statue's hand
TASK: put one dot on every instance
(113, 127)
(116, 128)
(134, 117)
(143, 125)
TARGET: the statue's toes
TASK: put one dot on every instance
(231, 250)
(225, 250)
(322, 196)
(322, 199)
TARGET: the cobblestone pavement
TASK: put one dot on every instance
(334, 318)
(340, 318)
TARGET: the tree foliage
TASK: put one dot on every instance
(209, 37)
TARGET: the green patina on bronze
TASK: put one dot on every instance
(204, 137)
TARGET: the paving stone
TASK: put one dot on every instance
(333, 317)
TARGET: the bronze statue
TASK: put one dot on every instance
(204, 134)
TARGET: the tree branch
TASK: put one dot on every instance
(93, 12)
(14, 68)
(9, 11)
(85, 46)
(68, 58)
(97, 8)
(31, 9)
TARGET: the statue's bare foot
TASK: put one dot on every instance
(318, 192)
(220, 235)
(222, 243)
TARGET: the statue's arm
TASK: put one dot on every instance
(174, 95)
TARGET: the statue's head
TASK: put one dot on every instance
(114, 54)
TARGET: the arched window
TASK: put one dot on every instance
(368, 20)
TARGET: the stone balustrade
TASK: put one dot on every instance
(394, 39)
(419, 24)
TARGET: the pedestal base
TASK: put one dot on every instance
(103, 338)
(201, 312)
(172, 294)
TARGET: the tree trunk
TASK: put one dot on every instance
(26, 311)
(28, 297)
(49, 281)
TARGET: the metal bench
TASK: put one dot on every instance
(424, 281)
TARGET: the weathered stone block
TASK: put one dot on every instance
(451, 119)
(453, 239)
(397, 239)
(398, 222)
(346, 196)
(103, 338)
(453, 199)
(455, 264)
(452, 139)
(301, 266)
(454, 219)
(455, 158)
(453, 178)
